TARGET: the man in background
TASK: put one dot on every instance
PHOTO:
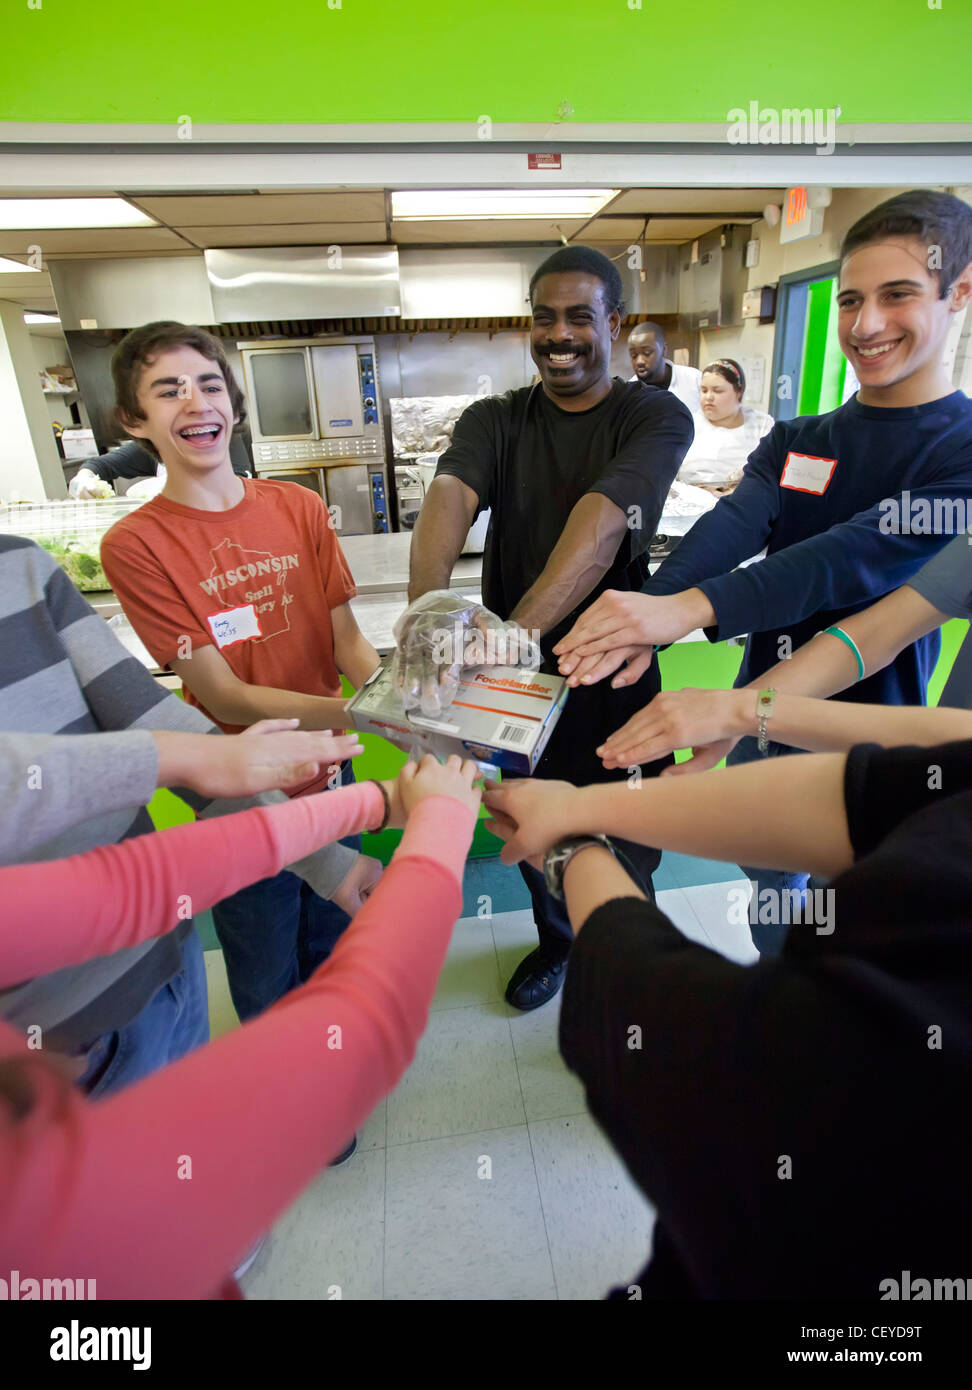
(646, 348)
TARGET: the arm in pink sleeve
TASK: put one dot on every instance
(257, 1114)
(99, 902)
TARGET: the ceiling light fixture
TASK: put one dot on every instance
(41, 318)
(61, 214)
(480, 204)
(9, 267)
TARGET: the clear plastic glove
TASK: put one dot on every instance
(442, 632)
(86, 485)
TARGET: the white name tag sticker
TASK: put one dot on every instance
(807, 473)
(234, 625)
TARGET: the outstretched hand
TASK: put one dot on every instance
(710, 722)
(622, 629)
(530, 816)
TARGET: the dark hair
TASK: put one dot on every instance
(649, 327)
(584, 260)
(730, 371)
(938, 220)
(142, 345)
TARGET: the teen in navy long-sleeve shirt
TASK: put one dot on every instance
(830, 553)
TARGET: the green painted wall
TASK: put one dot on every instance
(439, 60)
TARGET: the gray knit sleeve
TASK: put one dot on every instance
(50, 782)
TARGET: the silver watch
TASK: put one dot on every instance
(559, 856)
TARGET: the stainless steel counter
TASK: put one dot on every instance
(379, 564)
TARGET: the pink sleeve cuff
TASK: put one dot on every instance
(439, 828)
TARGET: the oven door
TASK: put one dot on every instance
(337, 382)
(312, 478)
(280, 394)
(349, 500)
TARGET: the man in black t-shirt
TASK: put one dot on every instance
(576, 470)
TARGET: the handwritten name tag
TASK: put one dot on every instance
(234, 625)
(807, 473)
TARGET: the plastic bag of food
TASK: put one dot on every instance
(442, 632)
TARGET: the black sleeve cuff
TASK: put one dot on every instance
(883, 786)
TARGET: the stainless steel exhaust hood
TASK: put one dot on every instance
(303, 282)
(129, 291)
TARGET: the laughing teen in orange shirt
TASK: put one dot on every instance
(238, 585)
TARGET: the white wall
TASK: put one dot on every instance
(29, 463)
(50, 351)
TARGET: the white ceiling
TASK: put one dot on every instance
(190, 223)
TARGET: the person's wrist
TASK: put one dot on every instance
(593, 857)
(694, 610)
(176, 763)
(575, 814)
(396, 817)
(744, 704)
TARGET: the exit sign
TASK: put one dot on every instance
(799, 218)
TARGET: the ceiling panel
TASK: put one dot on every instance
(669, 229)
(32, 296)
(483, 232)
(96, 240)
(294, 234)
(628, 229)
(256, 209)
(717, 200)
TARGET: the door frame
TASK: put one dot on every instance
(788, 339)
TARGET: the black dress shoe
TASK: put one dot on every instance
(535, 980)
(345, 1154)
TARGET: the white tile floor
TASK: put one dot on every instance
(481, 1176)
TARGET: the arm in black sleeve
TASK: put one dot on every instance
(130, 461)
(650, 452)
(757, 1106)
(884, 786)
(676, 1047)
(471, 456)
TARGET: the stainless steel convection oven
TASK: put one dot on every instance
(315, 419)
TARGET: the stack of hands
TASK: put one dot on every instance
(441, 633)
(619, 632)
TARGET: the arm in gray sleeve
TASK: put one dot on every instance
(49, 782)
(324, 870)
(946, 580)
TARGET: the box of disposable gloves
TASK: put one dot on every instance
(501, 716)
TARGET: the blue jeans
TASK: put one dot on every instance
(768, 938)
(172, 1024)
(276, 933)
